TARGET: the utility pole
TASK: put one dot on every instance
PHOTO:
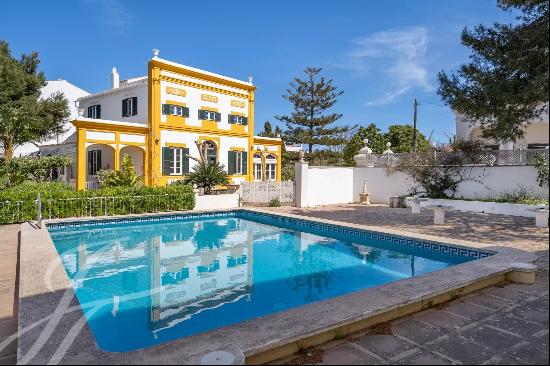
(414, 125)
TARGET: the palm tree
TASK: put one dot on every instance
(207, 175)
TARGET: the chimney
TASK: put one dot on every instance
(115, 79)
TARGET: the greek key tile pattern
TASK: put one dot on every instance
(293, 223)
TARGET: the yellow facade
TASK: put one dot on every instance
(148, 137)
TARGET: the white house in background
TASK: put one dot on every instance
(293, 147)
(72, 93)
(535, 137)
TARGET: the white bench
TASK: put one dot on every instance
(415, 203)
(439, 213)
(541, 216)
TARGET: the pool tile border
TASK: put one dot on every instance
(270, 218)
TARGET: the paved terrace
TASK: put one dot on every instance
(8, 291)
(500, 325)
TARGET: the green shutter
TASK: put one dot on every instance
(245, 162)
(167, 159)
(134, 102)
(218, 117)
(201, 114)
(231, 162)
(231, 119)
(98, 111)
(245, 121)
(186, 112)
(185, 163)
(124, 108)
(166, 109)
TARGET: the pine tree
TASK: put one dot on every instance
(506, 82)
(24, 117)
(268, 130)
(309, 123)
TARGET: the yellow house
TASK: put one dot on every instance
(164, 119)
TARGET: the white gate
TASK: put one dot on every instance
(265, 191)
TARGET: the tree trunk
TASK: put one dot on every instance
(8, 148)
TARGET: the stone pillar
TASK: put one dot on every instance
(301, 176)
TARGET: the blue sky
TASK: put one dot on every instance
(382, 54)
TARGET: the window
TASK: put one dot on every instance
(175, 110)
(237, 120)
(237, 162)
(209, 151)
(258, 167)
(94, 161)
(94, 111)
(129, 107)
(271, 167)
(209, 115)
(258, 171)
(175, 160)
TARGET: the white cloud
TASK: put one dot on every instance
(398, 55)
(113, 15)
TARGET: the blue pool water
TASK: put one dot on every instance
(144, 283)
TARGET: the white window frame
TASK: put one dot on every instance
(96, 165)
(176, 110)
(238, 162)
(129, 107)
(239, 120)
(93, 109)
(271, 170)
(176, 166)
(205, 149)
(258, 171)
(209, 115)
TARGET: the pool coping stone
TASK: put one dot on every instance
(43, 341)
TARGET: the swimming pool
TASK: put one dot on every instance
(151, 280)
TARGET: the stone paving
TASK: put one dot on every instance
(8, 291)
(505, 324)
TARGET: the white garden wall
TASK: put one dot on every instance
(333, 185)
(495, 180)
(217, 201)
(330, 185)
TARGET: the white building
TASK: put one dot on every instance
(293, 147)
(72, 93)
(535, 133)
(167, 121)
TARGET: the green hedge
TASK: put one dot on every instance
(18, 204)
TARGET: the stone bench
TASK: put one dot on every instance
(415, 203)
(439, 213)
(541, 216)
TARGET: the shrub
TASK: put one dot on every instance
(35, 168)
(207, 175)
(274, 202)
(520, 195)
(541, 164)
(61, 201)
(126, 177)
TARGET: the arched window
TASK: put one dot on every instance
(210, 151)
(271, 167)
(258, 167)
